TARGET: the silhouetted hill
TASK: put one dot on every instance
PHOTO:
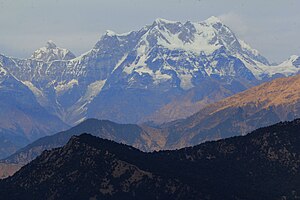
(123, 133)
(261, 165)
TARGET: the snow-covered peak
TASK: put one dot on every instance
(293, 58)
(50, 45)
(3, 72)
(202, 37)
(164, 21)
(287, 68)
(192, 37)
(51, 52)
(247, 47)
(3, 75)
(293, 61)
(178, 42)
(296, 62)
(110, 33)
(253, 53)
(213, 20)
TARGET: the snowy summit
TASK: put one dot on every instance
(51, 53)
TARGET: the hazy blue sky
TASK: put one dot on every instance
(271, 26)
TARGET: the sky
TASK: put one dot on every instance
(270, 26)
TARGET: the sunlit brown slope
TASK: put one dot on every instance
(282, 91)
(263, 105)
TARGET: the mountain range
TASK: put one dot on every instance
(239, 114)
(162, 72)
(261, 165)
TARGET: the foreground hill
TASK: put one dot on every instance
(262, 165)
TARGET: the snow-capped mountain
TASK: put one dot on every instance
(150, 72)
(51, 52)
(172, 51)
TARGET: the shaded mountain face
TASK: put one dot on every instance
(242, 113)
(262, 165)
(22, 118)
(138, 76)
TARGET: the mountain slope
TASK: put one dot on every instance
(262, 165)
(259, 106)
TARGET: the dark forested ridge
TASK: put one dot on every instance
(261, 165)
